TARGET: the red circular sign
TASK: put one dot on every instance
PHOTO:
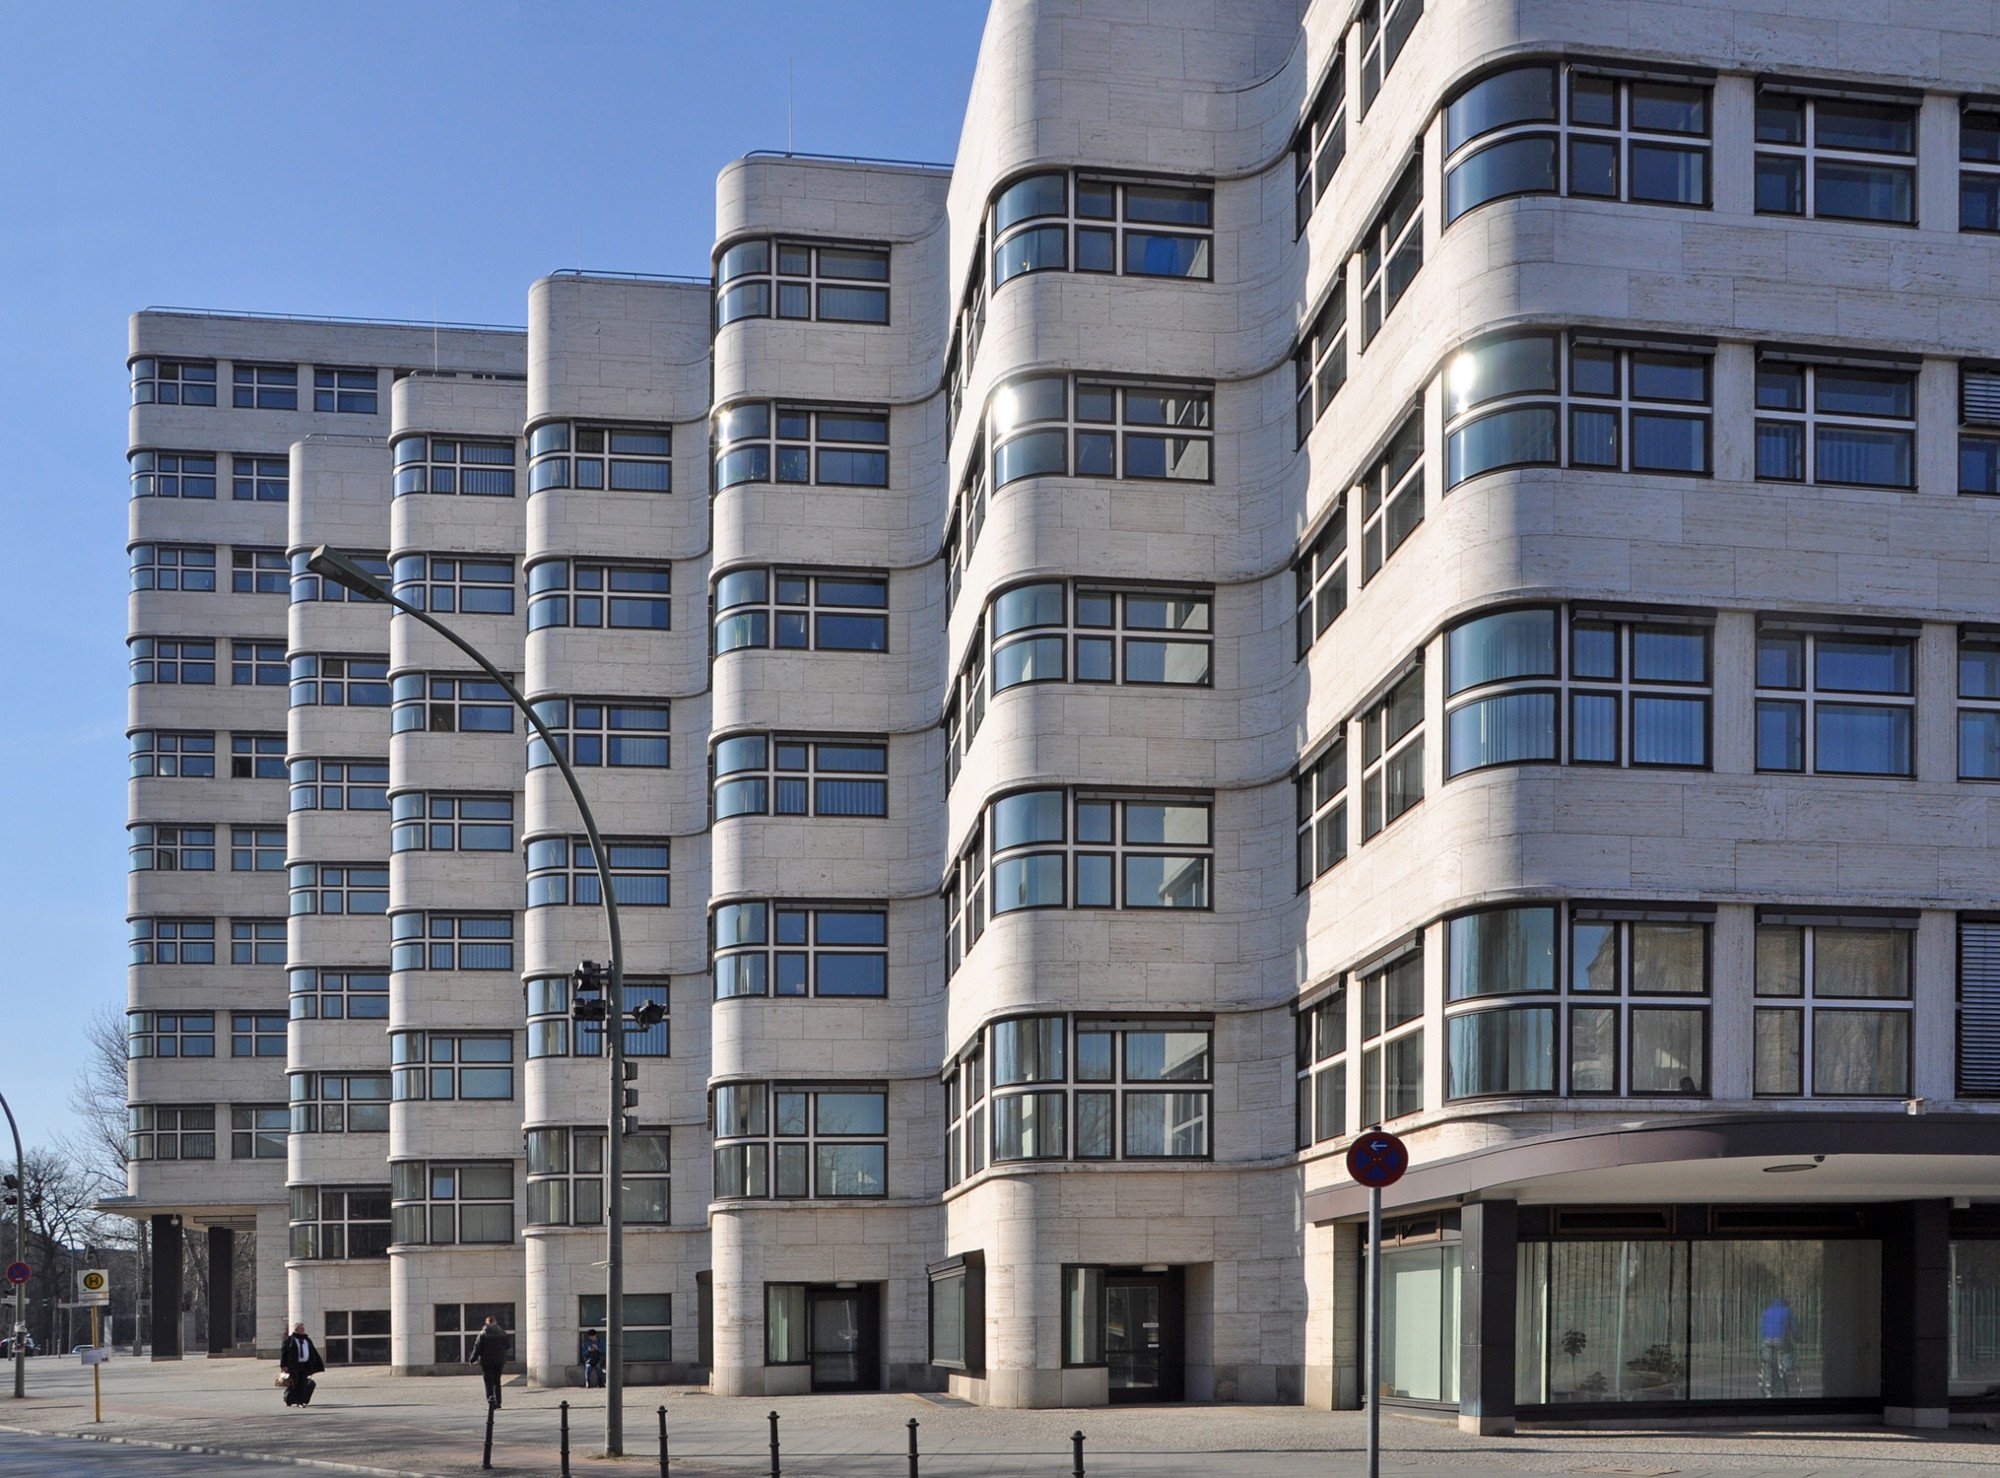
(19, 1272)
(1377, 1158)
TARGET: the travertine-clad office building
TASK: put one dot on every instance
(1422, 564)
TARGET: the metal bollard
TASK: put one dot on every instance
(565, 1438)
(486, 1458)
(663, 1442)
(913, 1448)
(1076, 1443)
(774, 1445)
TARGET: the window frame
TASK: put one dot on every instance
(796, 443)
(739, 267)
(760, 608)
(1808, 1005)
(1380, 749)
(585, 456)
(1114, 228)
(1808, 420)
(764, 777)
(1809, 153)
(597, 744)
(567, 592)
(190, 475)
(763, 1103)
(1809, 697)
(422, 463)
(1390, 248)
(330, 1102)
(748, 942)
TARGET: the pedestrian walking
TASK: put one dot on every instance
(591, 1353)
(300, 1360)
(490, 1352)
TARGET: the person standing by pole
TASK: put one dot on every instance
(490, 1352)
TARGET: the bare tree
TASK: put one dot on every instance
(97, 1098)
(62, 1225)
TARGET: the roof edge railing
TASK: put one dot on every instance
(244, 313)
(633, 276)
(924, 164)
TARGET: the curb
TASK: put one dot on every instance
(323, 1464)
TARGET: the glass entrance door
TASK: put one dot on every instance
(1142, 1336)
(841, 1329)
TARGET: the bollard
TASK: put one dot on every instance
(486, 1458)
(913, 1447)
(663, 1442)
(1076, 1442)
(774, 1445)
(565, 1439)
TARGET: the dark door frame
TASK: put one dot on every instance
(867, 1300)
(1172, 1287)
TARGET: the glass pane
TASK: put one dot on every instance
(1862, 963)
(1506, 1051)
(1501, 951)
(1617, 1316)
(1420, 1323)
(1785, 1318)
(1779, 1051)
(1494, 648)
(1669, 1051)
(1512, 728)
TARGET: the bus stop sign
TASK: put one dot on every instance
(1377, 1159)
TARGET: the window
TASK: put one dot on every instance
(1134, 227)
(1392, 752)
(1319, 364)
(441, 1204)
(1979, 706)
(1626, 408)
(352, 993)
(340, 785)
(823, 1142)
(772, 775)
(359, 1336)
(783, 948)
(1847, 1035)
(171, 754)
(958, 1313)
(603, 731)
(440, 1066)
(566, 1178)
(634, 459)
(801, 610)
(1838, 424)
(171, 848)
(563, 870)
(256, 756)
(308, 586)
(1392, 1037)
(1637, 692)
(346, 391)
(170, 941)
(173, 474)
(339, 1103)
(1836, 158)
(1807, 719)
(648, 1326)
(1979, 170)
(1979, 443)
(443, 704)
(965, 1111)
(173, 382)
(450, 464)
(259, 571)
(831, 446)
(264, 387)
(256, 941)
(1392, 252)
(1393, 496)
(1140, 1089)
(1056, 631)
(256, 848)
(1627, 139)
(1500, 1049)
(457, 1326)
(1083, 1315)
(169, 1034)
(1385, 26)
(1321, 142)
(443, 584)
(1637, 1002)
(172, 659)
(170, 1132)
(338, 888)
(341, 1223)
(257, 1131)
(1320, 1063)
(259, 479)
(563, 592)
(1321, 787)
(786, 1337)
(257, 664)
(1319, 577)
(1079, 849)
(189, 567)
(549, 1021)
(442, 821)
(1978, 1007)
(834, 283)
(1130, 431)
(449, 941)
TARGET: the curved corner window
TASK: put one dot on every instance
(1056, 222)
(786, 775)
(1069, 849)
(1047, 632)
(797, 1142)
(1036, 423)
(827, 281)
(565, 592)
(826, 446)
(450, 464)
(1500, 952)
(1504, 1050)
(801, 610)
(638, 459)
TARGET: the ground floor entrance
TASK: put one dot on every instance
(832, 1329)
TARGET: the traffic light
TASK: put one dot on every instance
(589, 984)
(13, 1184)
(647, 1015)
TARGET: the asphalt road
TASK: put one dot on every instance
(61, 1457)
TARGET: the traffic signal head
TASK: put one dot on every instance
(648, 1014)
(588, 984)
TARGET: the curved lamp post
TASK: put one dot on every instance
(330, 564)
(20, 1178)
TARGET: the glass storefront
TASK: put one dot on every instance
(1664, 1320)
(1420, 1323)
(1975, 1321)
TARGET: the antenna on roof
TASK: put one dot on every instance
(788, 105)
(434, 336)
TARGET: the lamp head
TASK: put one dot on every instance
(330, 564)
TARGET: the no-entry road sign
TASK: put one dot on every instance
(1377, 1159)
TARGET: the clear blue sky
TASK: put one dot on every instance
(427, 158)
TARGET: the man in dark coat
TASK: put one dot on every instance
(490, 1351)
(300, 1360)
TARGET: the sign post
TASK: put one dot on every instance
(1375, 1159)
(93, 1289)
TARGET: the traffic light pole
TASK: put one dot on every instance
(20, 1341)
(331, 564)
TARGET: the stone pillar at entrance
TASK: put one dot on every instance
(221, 1290)
(1489, 1257)
(1916, 1313)
(167, 1255)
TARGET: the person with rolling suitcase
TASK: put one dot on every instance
(300, 1360)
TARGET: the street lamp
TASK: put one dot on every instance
(330, 564)
(18, 1184)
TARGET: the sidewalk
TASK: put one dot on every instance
(371, 1422)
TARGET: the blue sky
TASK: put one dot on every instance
(420, 159)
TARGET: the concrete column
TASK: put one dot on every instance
(1916, 1312)
(167, 1254)
(1488, 1253)
(221, 1290)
